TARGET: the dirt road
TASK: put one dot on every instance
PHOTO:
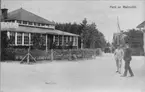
(95, 75)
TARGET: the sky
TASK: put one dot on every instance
(103, 13)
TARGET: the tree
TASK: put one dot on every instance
(93, 37)
(108, 44)
(5, 44)
(4, 40)
(89, 34)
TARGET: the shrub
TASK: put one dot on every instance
(58, 54)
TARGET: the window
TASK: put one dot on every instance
(38, 24)
(47, 25)
(43, 39)
(19, 38)
(31, 38)
(60, 40)
(12, 37)
(26, 38)
(70, 38)
(19, 21)
(35, 23)
(30, 23)
(24, 22)
(65, 40)
(12, 20)
(57, 40)
(75, 41)
(42, 24)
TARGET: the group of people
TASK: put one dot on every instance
(123, 52)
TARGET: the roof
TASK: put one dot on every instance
(40, 30)
(142, 25)
(22, 14)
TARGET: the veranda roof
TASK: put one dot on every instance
(39, 30)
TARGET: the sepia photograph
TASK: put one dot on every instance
(72, 45)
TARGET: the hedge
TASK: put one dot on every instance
(56, 54)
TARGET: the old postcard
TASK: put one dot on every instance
(72, 46)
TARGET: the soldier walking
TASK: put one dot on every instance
(127, 58)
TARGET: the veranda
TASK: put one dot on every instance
(22, 37)
(56, 44)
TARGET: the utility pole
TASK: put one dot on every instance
(118, 26)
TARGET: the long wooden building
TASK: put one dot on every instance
(21, 26)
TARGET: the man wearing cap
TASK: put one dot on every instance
(127, 58)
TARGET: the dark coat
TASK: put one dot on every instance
(127, 54)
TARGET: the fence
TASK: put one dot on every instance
(54, 54)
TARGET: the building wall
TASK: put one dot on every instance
(144, 40)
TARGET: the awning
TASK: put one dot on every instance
(40, 30)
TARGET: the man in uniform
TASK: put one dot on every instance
(127, 58)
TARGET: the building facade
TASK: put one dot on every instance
(21, 26)
(142, 28)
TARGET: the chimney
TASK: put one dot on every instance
(4, 13)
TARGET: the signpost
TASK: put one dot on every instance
(9, 25)
(28, 55)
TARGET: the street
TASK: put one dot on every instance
(93, 75)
